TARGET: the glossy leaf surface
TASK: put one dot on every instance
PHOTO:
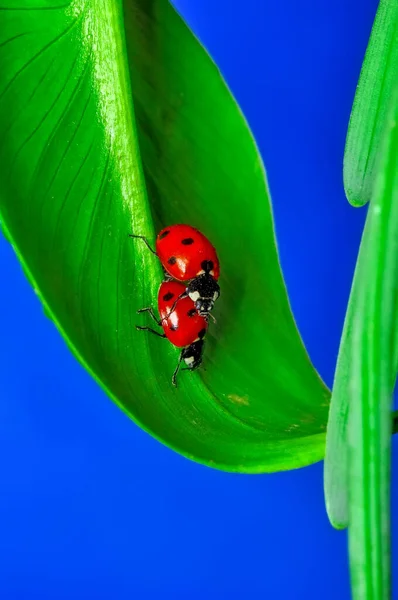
(379, 75)
(71, 77)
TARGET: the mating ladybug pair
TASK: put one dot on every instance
(184, 308)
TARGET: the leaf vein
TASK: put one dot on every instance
(40, 53)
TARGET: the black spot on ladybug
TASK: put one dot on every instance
(187, 241)
(173, 327)
(207, 266)
(168, 296)
(172, 260)
(201, 333)
(191, 312)
(163, 235)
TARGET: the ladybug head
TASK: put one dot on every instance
(204, 291)
(204, 306)
(192, 355)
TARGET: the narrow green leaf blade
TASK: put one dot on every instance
(359, 430)
(367, 124)
(335, 465)
(378, 76)
(73, 190)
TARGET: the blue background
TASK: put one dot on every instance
(91, 507)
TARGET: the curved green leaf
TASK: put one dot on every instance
(378, 76)
(357, 465)
(73, 189)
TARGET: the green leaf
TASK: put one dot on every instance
(378, 76)
(367, 125)
(360, 418)
(73, 189)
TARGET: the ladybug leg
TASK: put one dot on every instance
(183, 295)
(152, 314)
(174, 378)
(167, 276)
(178, 368)
(141, 237)
(162, 335)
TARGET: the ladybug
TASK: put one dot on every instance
(182, 326)
(187, 255)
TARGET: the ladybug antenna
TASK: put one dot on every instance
(213, 317)
(143, 238)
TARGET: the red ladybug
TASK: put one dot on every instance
(182, 325)
(187, 255)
